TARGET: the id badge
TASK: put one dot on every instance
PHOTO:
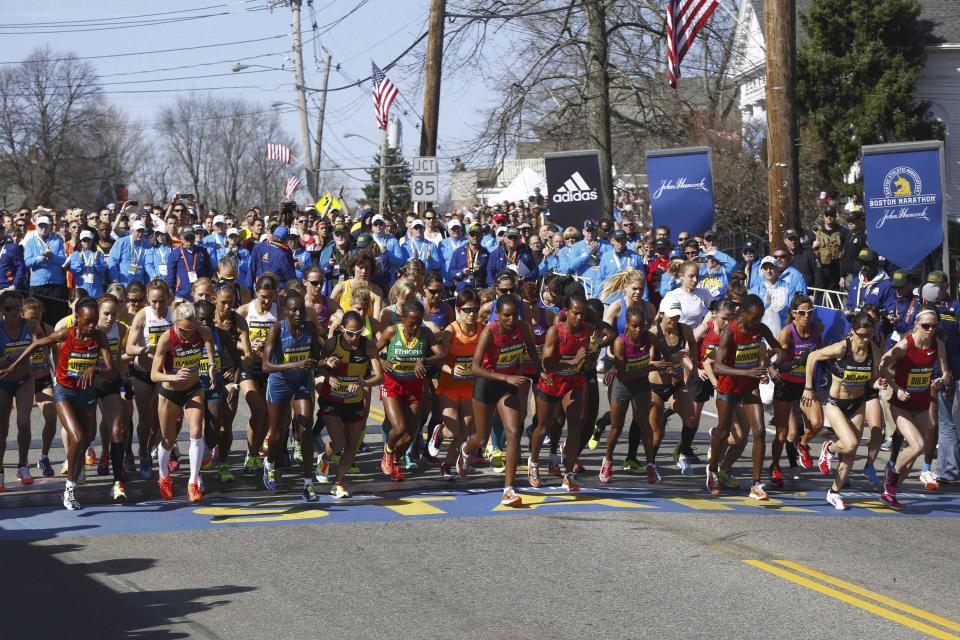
(192, 276)
(162, 269)
(133, 268)
(88, 278)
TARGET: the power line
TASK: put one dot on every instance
(141, 15)
(115, 26)
(189, 66)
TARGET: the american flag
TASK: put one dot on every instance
(685, 18)
(290, 187)
(279, 152)
(384, 93)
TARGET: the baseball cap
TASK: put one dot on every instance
(710, 235)
(830, 210)
(364, 240)
(791, 233)
(512, 231)
(662, 245)
(619, 234)
(502, 231)
(749, 247)
(291, 232)
(280, 233)
(377, 218)
(867, 255)
(768, 260)
(86, 235)
(937, 277)
(499, 216)
(219, 219)
(524, 225)
(43, 220)
(670, 307)
(188, 231)
(899, 279)
(930, 292)
(589, 225)
(454, 223)
(339, 228)
(475, 229)
(137, 226)
(420, 223)
(233, 231)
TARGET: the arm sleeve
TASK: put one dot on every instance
(113, 264)
(59, 252)
(32, 256)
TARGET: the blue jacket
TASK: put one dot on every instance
(127, 252)
(550, 264)
(950, 323)
(458, 264)
(157, 261)
(611, 263)
(580, 262)
(421, 249)
(304, 259)
(790, 280)
(489, 242)
(716, 282)
(332, 272)
(45, 270)
(728, 262)
(880, 293)
(388, 260)
(214, 241)
(447, 247)
(240, 255)
(906, 310)
(178, 262)
(89, 269)
(13, 271)
(269, 256)
(525, 262)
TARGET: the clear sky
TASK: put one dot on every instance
(352, 31)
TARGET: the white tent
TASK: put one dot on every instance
(521, 188)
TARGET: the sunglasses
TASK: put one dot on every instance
(803, 313)
(435, 292)
(353, 332)
(506, 291)
(779, 257)
(767, 267)
(378, 223)
(314, 283)
(926, 326)
(862, 336)
(691, 253)
(468, 310)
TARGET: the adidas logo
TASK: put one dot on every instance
(575, 189)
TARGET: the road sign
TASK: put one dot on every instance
(424, 183)
(425, 165)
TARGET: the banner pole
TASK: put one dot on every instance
(945, 216)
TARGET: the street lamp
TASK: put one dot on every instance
(243, 67)
(357, 135)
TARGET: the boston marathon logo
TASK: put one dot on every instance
(575, 189)
(678, 185)
(903, 197)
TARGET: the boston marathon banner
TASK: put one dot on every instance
(903, 193)
(573, 187)
(681, 189)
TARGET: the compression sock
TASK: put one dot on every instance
(686, 440)
(925, 467)
(896, 443)
(792, 453)
(163, 460)
(116, 459)
(498, 435)
(196, 457)
(633, 440)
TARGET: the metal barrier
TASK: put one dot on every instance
(828, 298)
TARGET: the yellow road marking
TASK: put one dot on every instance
(535, 500)
(726, 503)
(890, 602)
(267, 513)
(856, 602)
(413, 506)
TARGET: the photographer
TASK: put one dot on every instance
(468, 265)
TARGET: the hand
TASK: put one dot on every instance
(843, 283)
(184, 375)
(593, 246)
(519, 381)
(87, 378)
(332, 362)
(702, 374)
(257, 345)
(882, 383)
(421, 369)
(581, 356)
(903, 395)
(459, 371)
(757, 372)
(607, 377)
(5, 372)
(47, 254)
(815, 245)
(808, 398)
(773, 373)
(309, 363)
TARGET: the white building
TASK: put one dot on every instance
(939, 82)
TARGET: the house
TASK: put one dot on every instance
(939, 82)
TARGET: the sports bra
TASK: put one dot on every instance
(852, 374)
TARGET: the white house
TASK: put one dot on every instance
(939, 82)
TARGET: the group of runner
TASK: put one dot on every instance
(465, 373)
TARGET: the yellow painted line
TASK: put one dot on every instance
(890, 602)
(266, 513)
(536, 500)
(851, 600)
(413, 506)
(726, 503)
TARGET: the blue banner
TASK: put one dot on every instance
(903, 193)
(681, 189)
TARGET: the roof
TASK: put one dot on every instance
(939, 19)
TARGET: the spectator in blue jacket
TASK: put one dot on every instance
(871, 285)
(13, 271)
(617, 260)
(271, 255)
(157, 257)
(216, 239)
(128, 257)
(512, 256)
(551, 254)
(44, 255)
(713, 276)
(187, 263)
(468, 265)
(239, 254)
(387, 265)
(583, 260)
(302, 258)
(416, 247)
(448, 245)
(334, 258)
(88, 265)
(777, 287)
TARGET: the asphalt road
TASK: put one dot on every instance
(429, 559)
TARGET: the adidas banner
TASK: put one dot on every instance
(681, 189)
(573, 187)
(903, 194)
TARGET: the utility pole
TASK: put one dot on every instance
(783, 178)
(323, 106)
(431, 85)
(302, 99)
(383, 170)
(598, 96)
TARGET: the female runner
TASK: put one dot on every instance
(437, 315)
(353, 368)
(320, 308)
(148, 325)
(235, 326)
(226, 358)
(500, 388)
(362, 266)
(176, 369)
(261, 313)
(908, 367)
(16, 334)
(853, 366)
(113, 415)
(125, 317)
(42, 386)
(79, 348)
(290, 353)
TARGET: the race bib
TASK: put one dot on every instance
(510, 356)
(918, 381)
(78, 363)
(295, 355)
(748, 356)
(467, 363)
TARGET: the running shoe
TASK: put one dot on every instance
(570, 483)
(463, 462)
(693, 458)
(207, 463)
(871, 475)
(889, 486)
(927, 478)
(200, 482)
(891, 501)
(91, 456)
(129, 462)
(794, 473)
(103, 466)
(64, 468)
(271, 479)
(825, 458)
(297, 452)
(676, 453)
(476, 459)
(533, 473)
(309, 493)
(396, 473)
(69, 500)
(803, 451)
(837, 501)
(339, 491)
(713, 483)
(146, 467)
(497, 462)
(435, 441)
(249, 465)
(409, 464)
(23, 475)
(446, 471)
(118, 493)
(653, 476)
(386, 463)
(594, 440)
(776, 478)
(886, 445)
(578, 467)
(683, 463)
(758, 492)
(223, 473)
(322, 472)
(258, 460)
(553, 466)
(606, 471)
(166, 487)
(710, 446)
(43, 464)
(194, 494)
(728, 479)
(631, 465)
(510, 498)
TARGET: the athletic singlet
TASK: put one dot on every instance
(636, 358)
(672, 354)
(709, 343)
(744, 355)
(439, 318)
(183, 353)
(39, 359)
(153, 327)
(460, 353)
(622, 318)
(802, 347)
(113, 338)
(13, 347)
(568, 375)
(323, 313)
(505, 353)
(403, 354)
(259, 323)
(852, 374)
(914, 373)
(345, 296)
(539, 330)
(205, 358)
(293, 349)
(76, 356)
(352, 368)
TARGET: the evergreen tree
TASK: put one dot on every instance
(856, 73)
(398, 182)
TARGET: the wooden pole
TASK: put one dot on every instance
(431, 85)
(598, 96)
(323, 107)
(302, 99)
(782, 138)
